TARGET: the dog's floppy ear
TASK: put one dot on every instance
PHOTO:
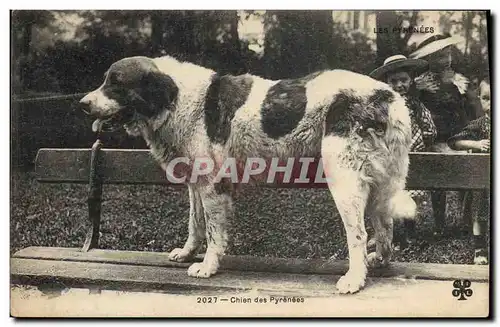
(159, 91)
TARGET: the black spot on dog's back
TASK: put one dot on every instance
(225, 95)
(284, 106)
(350, 111)
(381, 98)
(338, 118)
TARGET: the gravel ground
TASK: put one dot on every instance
(269, 222)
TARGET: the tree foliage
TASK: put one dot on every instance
(295, 43)
(66, 52)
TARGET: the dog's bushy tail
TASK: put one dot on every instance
(402, 206)
(386, 167)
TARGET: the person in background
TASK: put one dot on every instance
(476, 138)
(446, 93)
(399, 72)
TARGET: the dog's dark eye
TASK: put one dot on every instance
(117, 92)
(113, 78)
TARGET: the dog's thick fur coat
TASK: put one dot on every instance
(359, 127)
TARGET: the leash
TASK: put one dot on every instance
(94, 198)
(50, 98)
(94, 195)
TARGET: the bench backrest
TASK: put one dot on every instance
(117, 166)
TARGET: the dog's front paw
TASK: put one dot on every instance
(180, 255)
(201, 270)
(375, 261)
(351, 282)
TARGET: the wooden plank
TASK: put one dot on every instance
(260, 264)
(118, 166)
(143, 278)
(109, 276)
(449, 171)
(427, 170)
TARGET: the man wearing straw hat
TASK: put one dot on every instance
(445, 93)
(399, 72)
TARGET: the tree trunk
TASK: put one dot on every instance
(467, 27)
(355, 22)
(157, 28)
(388, 42)
(26, 41)
(187, 32)
(365, 21)
(484, 67)
(25, 50)
(297, 43)
(238, 64)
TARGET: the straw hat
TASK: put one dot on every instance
(396, 62)
(433, 44)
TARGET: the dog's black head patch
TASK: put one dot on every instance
(133, 80)
(159, 91)
(132, 86)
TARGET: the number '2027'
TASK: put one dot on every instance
(206, 299)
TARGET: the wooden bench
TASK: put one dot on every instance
(146, 270)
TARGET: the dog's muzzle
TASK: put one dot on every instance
(106, 123)
(85, 105)
(114, 122)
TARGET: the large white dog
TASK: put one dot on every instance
(357, 125)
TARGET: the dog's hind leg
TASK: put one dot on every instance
(350, 194)
(388, 202)
(196, 229)
(382, 223)
(218, 212)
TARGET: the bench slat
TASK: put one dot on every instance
(124, 166)
(175, 280)
(260, 264)
(449, 171)
(118, 166)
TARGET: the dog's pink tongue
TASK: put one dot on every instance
(97, 125)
